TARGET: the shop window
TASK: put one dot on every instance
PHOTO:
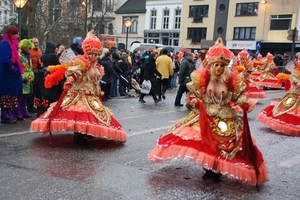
(281, 22)
(246, 9)
(244, 33)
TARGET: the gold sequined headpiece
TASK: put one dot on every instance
(219, 53)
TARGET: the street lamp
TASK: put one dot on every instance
(127, 23)
(19, 4)
(85, 15)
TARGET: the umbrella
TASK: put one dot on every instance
(140, 49)
(171, 49)
(184, 50)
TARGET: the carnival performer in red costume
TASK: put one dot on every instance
(245, 65)
(284, 116)
(79, 108)
(212, 135)
(264, 77)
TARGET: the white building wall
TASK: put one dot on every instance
(7, 13)
(160, 6)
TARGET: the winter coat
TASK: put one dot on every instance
(108, 69)
(49, 57)
(28, 75)
(164, 65)
(150, 74)
(10, 78)
(185, 71)
(35, 55)
(76, 49)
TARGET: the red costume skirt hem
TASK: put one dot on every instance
(81, 122)
(286, 123)
(174, 147)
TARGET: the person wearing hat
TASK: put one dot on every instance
(11, 71)
(184, 77)
(213, 135)
(20, 112)
(79, 108)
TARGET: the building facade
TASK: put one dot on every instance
(163, 22)
(259, 26)
(134, 10)
(7, 13)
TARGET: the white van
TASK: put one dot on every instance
(147, 46)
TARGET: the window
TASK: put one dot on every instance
(134, 26)
(153, 19)
(57, 14)
(246, 9)
(244, 33)
(177, 18)
(97, 5)
(281, 22)
(109, 5)
(110, 29)
(198, 11)
(196, 34)
(166, 19)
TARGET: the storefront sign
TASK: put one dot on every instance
(238, 45)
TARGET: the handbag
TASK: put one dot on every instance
(146, 87)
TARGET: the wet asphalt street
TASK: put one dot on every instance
(31, 169)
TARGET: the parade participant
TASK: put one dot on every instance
(245, 65)
(11, 71)
(21, 112)
(212, 135)
(79, 109)
(265, 76)
(283, 116)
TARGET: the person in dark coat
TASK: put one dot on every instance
(150, 74)
(184, 77)
(76, 48)
(125, 72)
(11, 71)
(106, 62)
(52, 94)
(114, 83)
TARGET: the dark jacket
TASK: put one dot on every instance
(150, 74)
(115, 61)
(186, 69)
(76, 49)
(49, 57)
(108, 69)
(124, 67)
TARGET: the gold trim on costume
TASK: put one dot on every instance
(289, 102)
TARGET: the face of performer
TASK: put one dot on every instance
(219, 68)
(26, 49)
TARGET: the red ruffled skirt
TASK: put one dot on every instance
(77, 118)
(253, 91)
(186, 143)
(288, 123)
(271, 82)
